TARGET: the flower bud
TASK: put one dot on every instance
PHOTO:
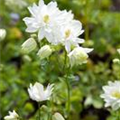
(116, 60)
(27, 58)
(2, 34)
(44, 52)
(78, 56)
(118, 51)
(57, 116)
(29, 45)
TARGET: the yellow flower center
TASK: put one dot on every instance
(46, 18)
(116, 94)
(67, 33)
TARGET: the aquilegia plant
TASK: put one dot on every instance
(50, 27)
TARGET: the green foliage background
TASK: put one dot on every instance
(101, 22)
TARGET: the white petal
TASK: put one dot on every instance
(41, 3)
(88, 50)
(77, 26)
(79, 40)
(33, 10)
(41, 34)
(67, 47)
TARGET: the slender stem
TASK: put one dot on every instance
(38, 44)
(86, 26)
(118, 115)
(65, 61)
(66, 70)
(86, 32)
(39, 111)
(68, 93)
(50, 111)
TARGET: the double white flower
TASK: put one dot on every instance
(38, 93)
(12, 116)
(58, 27)
(43, 20)
(111, 95)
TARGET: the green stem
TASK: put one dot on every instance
(39, 111)
(86, 25)
(86, 32)
(65, 61)
(38, 44)
(118, 115)
(68, 93)
(67, 84)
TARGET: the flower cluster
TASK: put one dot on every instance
(57, 27)
(111, 95)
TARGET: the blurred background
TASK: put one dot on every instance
(101, 22)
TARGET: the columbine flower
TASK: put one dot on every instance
(44, 52)
(12, 116)
(78, 55)
(16, 3)
(38, 93)
(71, 33)
(111, 95)
(57, 116)
(2, 34)
(29, 45)
(43, 19)
(118, 51)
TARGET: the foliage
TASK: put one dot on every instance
(17, 70)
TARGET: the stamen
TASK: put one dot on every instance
(67, 33)
(46, 18)
(116, 94)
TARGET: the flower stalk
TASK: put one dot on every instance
(66, 69)
(39, 110)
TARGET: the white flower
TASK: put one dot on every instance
(2, 34)
(57, 116)
(70, 34)
(111, 95)
(57, 33)
(118, 51)
(78, 55)
(43, 19)
(38, 93)
(29, 45)
(12, 116)
(44, 52)
(16, 3)
(116, 60)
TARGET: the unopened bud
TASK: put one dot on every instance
(29, 45)
(2, 34)
(44, 52)
(57, 116)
